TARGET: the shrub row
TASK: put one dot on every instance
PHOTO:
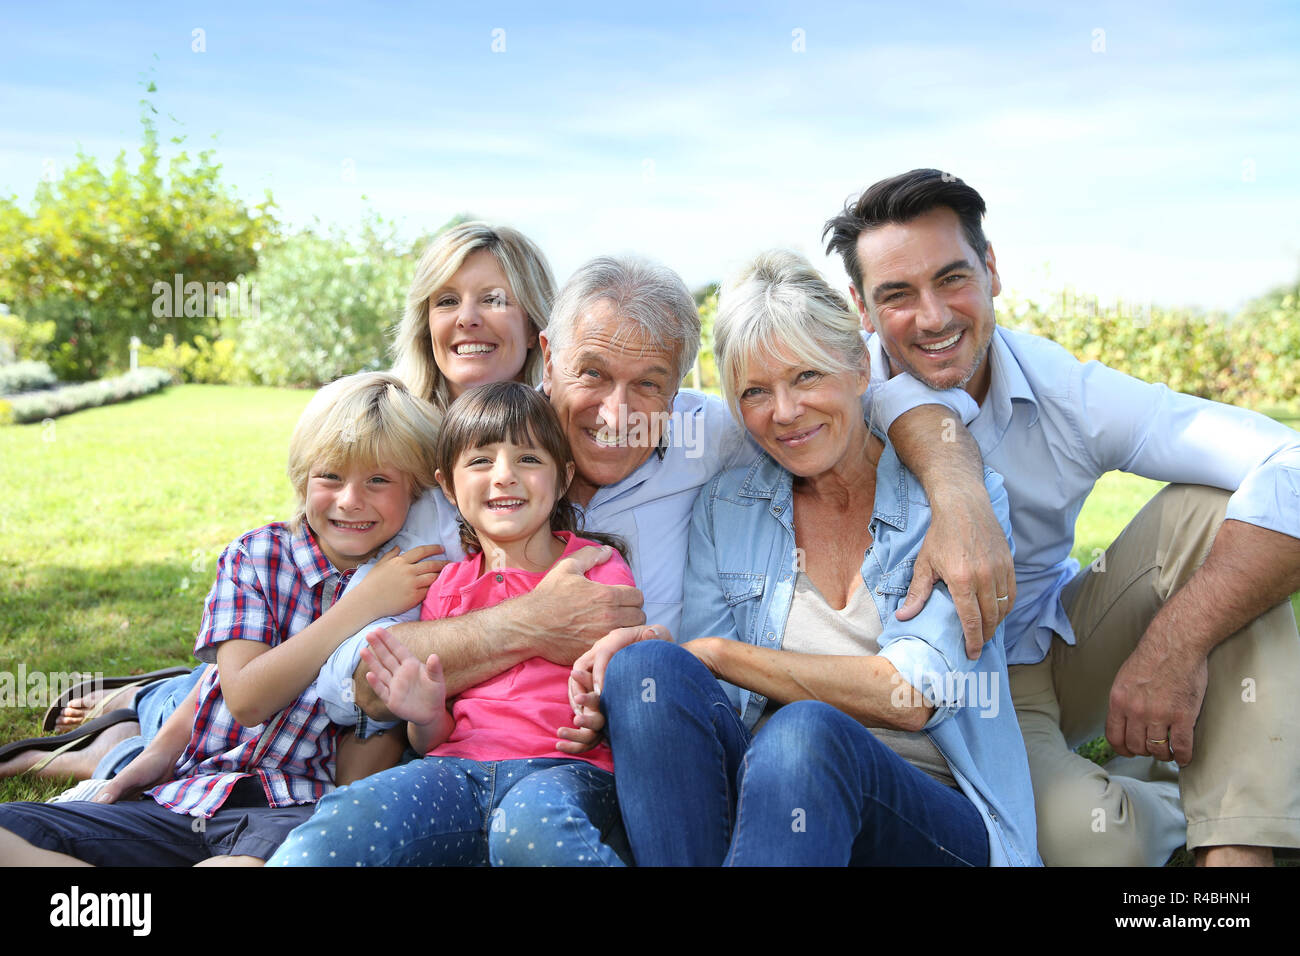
(209, 362)
(25, 376)
(41, 405)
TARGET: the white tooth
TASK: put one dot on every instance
(473, 349)
(941, 345)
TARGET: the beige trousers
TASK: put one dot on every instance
(1243, 783)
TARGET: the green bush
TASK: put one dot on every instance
(95, 242)
(71, 398)
(327, 306)
(21, 340)
(1251, 360)
(203, 361)
(24, 376)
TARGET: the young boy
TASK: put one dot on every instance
(243, 760)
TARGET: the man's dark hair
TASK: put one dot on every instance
(901, 199)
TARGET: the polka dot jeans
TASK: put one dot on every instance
(450, 811)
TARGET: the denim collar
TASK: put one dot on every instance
(767, 479)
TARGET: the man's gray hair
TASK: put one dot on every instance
(643, 293)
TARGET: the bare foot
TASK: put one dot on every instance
(79, 764)
(1234, 856)
(74, 714)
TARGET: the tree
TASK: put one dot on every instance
(98, 242)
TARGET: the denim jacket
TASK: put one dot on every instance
(740, 575)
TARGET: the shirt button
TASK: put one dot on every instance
(500, 578)
(776, 511)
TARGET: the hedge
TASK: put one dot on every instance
(38, 406)
(25, 376)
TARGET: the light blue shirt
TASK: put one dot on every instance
(650, 510)
(740, 586)
(1052, 425)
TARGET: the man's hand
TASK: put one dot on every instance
(572, 612)
(1156, 699)
(967, 550)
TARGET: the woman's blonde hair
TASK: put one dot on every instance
(368, 420)
(779, 307)
(531, 284)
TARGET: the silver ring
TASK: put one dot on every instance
(1005, 597)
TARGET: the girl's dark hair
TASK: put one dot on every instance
(518, 413)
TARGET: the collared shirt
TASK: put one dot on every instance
(649, 509)
(1053, 425)
(741, 571)
(271, 583)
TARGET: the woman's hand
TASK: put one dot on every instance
(588, 678)
(597, 658)
(410, 690)
(399, 581)
(703, 648)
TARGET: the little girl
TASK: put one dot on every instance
(493, 787)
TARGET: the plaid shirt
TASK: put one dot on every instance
(271, 583)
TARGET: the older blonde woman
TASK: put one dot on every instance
(801, 722)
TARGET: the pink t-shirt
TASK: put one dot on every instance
(515, 714)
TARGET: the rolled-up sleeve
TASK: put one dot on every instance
(929, 651)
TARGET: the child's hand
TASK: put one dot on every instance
(153, 767)
(410, 690)
(588, 721)
(399, 581)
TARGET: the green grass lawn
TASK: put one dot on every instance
(111, 521)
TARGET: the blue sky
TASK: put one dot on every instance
(1156, 160)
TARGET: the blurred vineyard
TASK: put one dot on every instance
(1250, 359)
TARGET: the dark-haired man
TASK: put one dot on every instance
(1184, 617)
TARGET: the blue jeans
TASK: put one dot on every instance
(449, 811)
(153, 705)
(814, 787)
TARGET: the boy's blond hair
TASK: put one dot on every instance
(369, 419)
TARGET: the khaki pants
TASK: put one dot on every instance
(1243, 783)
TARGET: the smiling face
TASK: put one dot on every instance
(808, 420)
(354, 510)
(931, 299)
(479, 333)
(506, 492)
(612, 388)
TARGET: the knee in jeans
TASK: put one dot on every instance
(642, 672)
(797, 734)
